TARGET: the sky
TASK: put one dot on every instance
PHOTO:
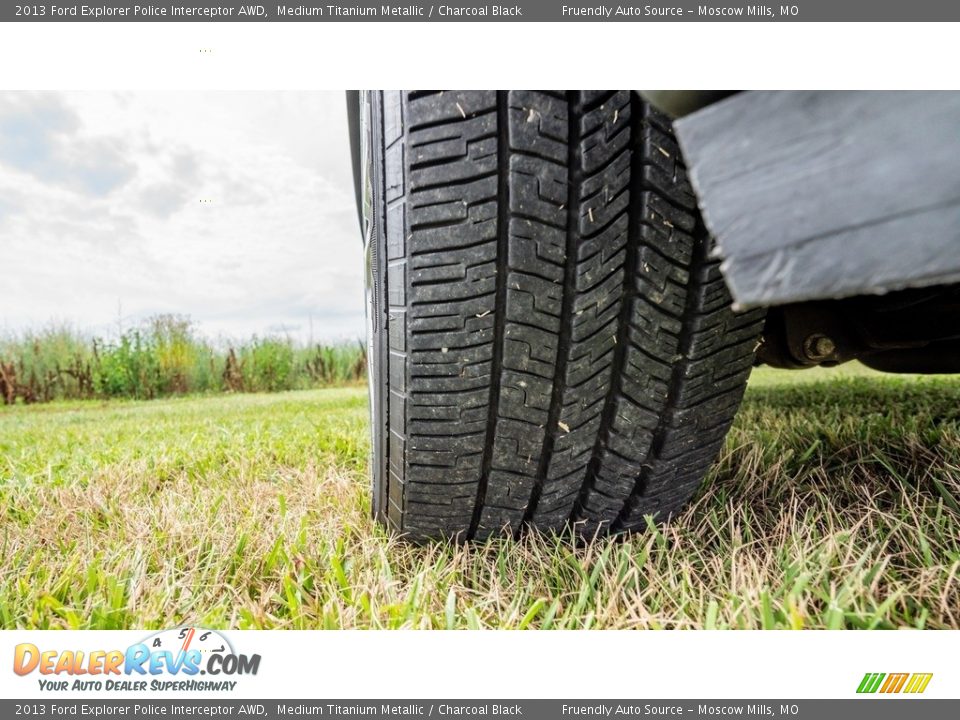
(235, 209)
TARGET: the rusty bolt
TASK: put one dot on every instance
(818, 348)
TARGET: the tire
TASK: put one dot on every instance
(551, 343)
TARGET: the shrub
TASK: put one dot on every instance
(161, 357)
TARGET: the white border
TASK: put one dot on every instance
(546, 664)
(501, 55)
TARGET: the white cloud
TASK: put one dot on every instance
(234, 208)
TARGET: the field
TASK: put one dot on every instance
(834, 505)
(163, 356)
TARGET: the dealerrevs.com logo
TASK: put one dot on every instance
(169, 660)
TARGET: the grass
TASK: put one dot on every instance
(833, 505)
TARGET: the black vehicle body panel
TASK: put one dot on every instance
(816, 195)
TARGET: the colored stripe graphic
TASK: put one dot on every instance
(870, 682)
(894, 683)
(918, 682)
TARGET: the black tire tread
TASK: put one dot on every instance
(561, 348)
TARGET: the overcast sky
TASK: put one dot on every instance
(233, 208)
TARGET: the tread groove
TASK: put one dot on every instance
(566, 310)
(496, 367)
(623, 328)
(676, 377)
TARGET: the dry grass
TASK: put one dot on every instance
(833, 505)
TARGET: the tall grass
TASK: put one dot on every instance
(164, 356)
